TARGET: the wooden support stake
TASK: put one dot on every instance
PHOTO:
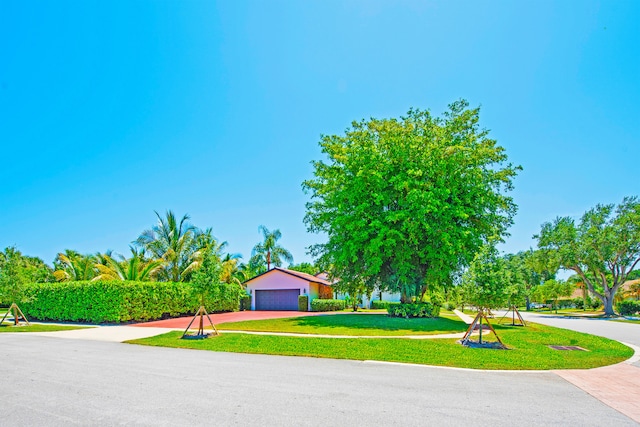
(201, 313)
(476, 321)
(16, 317)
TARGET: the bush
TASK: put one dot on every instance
(123, 301)
(377, 304)
(579, 303)
(628, 307)
(595, 303)
(303, 303)
(327, 304)
(245, 302)
(423, 309)
(447, 305)
(565, 303)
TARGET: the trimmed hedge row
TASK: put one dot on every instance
(378, 304)
(423, 309)
(628, 307)
(303, 302)
(122, 301)
(327, 304)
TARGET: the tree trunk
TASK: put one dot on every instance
(404, 298)
(608, 305)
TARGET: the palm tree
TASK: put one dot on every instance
(268, 251)
(136, 268)
(230, 272)
(175, 242)
(72, 266)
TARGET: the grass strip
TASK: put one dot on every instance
(36, 327)
(528, 349)
(351, 324)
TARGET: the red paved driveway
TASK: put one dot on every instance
(236, 316)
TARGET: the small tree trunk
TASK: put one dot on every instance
(480, 339)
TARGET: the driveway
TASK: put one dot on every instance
(235, 316)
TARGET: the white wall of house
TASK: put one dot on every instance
(366, 302)
(276, 280)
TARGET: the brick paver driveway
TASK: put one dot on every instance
(236, 316)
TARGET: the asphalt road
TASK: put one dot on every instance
(55, 381)
(619, 331)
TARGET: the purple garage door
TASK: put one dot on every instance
(277, 299)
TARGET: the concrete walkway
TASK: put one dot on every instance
(465, 318)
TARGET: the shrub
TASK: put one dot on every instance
(303, 303)
(628, 307)
(595, 303)
(377, 304)
(565, 303)
(123, 301)
(579, 303)
(423, 309)
(447, 305)
(327, 304)
(245, 302)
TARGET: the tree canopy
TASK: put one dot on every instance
(602, 248)
(406, 203)
(16, 270)
(488, 282)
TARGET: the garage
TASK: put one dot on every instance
(279, 289)
(277, 299)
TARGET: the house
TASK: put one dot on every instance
(279, 288)
(376, 296)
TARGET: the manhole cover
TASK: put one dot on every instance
(567, 347)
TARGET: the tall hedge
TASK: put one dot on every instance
(122, 301)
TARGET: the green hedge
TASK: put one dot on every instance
(628, 307)
(122, 301)
(245, 302)
(327, 304)
(378, 304)
(423, 309)
(303, 303)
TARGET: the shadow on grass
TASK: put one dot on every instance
(378, 322)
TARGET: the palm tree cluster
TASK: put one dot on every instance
(172, 250)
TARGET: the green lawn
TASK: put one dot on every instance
(9, 327)
(528, 348)
(352, 324)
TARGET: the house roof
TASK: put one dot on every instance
(298, 274)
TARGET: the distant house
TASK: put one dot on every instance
(279, 288)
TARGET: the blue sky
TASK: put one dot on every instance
(111, 110)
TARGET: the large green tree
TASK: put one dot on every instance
(602, 248)
(407, 203)
(269, 252)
